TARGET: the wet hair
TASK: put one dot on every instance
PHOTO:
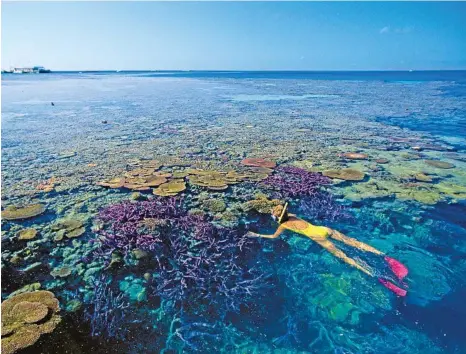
(277, 212)
(285, 217)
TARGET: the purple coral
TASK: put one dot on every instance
(108, 311)
(295, 182)
(289, 181)
(194, 262)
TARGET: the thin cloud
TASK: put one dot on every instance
(399, 30)
(385, 29)
(404, 29)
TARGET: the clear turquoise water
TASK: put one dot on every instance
(317, 304)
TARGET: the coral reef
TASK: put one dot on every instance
(257, 162)
(289, 181)
(194, 260)
(439, 164)
(21, 213)
(27, 234)
(214, 205)
(69, 228)
(347, 174)
(108, 311)
(171, 188)
(354, 156)
(25, 317)
(261, 204)
(61, 272)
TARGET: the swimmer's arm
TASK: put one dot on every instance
(275, 235)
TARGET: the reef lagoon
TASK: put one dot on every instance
(126, 201)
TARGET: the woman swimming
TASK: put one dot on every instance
(324, 235)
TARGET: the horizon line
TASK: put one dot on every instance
(239, 70)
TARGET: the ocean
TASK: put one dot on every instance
(126, 198)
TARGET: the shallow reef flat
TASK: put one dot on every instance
(131, 195)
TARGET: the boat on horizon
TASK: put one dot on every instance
(27, 70)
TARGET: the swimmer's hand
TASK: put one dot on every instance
(252, 234)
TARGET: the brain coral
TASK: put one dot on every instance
(25, 317)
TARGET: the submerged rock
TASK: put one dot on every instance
(439, 164)
(421, 177)
(382, 161)
(355, 156)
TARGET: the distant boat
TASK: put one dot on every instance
(35, 70)
(411, 71)
(40, 70)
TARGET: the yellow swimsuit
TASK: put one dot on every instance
(310, 230)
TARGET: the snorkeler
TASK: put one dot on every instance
(323, 235)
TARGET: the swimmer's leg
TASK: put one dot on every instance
(329, 246)
(353, 242)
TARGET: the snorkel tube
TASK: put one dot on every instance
(283, 213)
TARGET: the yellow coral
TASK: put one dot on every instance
(27, 234)
(261, 204)
(29, 211)
(170, 188)
(25, 317)
(347, 174)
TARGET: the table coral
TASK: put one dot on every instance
(347, 174)
(25, 317)
(27, 234)
(258, 162)
(21, 213)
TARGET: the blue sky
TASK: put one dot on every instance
(234, 35)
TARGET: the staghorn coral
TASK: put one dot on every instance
(194, 261)
(107, 311)
(288, 181)
(25, 317)
(21, 213)
(152, 223)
